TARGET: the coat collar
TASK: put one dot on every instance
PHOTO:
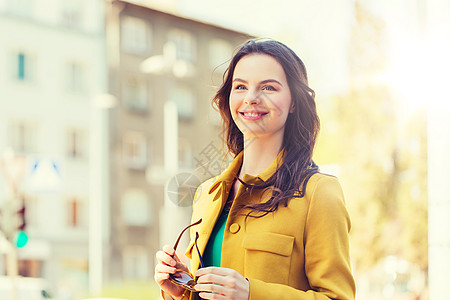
(228, 176)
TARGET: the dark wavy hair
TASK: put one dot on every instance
(301, 128)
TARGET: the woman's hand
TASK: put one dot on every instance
(221, 283)
(168, 263)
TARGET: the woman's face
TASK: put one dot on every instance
(260, 99)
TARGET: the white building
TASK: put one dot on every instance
(52, 58)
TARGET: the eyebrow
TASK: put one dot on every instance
(262, 82)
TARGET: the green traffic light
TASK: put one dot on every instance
(21, 239)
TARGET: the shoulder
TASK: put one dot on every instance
(323, 185)
(324, 192)
(326, 203)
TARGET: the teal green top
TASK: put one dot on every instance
(213, 250)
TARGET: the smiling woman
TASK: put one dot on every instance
(260, 98)
(273, 226)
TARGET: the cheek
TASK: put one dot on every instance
(283, 111)
(282, 106)
(234, 104)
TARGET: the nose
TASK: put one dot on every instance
(252, 98)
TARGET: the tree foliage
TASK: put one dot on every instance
(382, 156)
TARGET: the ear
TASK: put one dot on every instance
(291, 110)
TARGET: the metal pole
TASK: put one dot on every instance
(168, 212)
(98, 187)
(170, 136)
(13, 168)
(11, 265)
(95, 203)
(13, 271)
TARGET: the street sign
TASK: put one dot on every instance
(45, 176)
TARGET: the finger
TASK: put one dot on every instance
(169, 250)
(206, 295)
(161, 268)
(211, 278)
(161, 277)
(214, 270)
(164, 258)
(211, 288)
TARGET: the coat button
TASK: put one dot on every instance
(234, 228)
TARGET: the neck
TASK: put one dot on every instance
(259, 153)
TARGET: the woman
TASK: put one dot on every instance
(272, 226)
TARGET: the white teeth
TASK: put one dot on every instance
(251, 114)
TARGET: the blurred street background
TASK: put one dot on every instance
(106, 129)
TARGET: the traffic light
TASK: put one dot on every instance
(21, 238)
(22, 222)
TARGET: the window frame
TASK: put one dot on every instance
(136, 140)
(135, 35)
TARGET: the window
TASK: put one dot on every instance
(135, 262)
(23, 66)
(134, 35)
(75, 78)
(183, 97)
(71, 13)
(220, 52)
(135, 94)
(76, 143)
(184, 43)
(74, 213)
(135, 150)
(23, 136)
(136, 208)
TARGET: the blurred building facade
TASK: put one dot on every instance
(58, 58)
(52, 57)
(155, 57)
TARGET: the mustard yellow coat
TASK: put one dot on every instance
(299, 252)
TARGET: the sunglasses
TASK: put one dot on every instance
(181, 277)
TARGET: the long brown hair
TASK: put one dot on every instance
(301, 129)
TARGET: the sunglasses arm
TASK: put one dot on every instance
(181, 234)
(198, 251)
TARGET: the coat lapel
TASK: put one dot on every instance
(210, 205)
(211, 202)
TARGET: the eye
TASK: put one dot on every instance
(269, 88)
(240, 87)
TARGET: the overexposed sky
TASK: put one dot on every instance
(318, 30)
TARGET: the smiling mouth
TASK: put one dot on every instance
(253, 114)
